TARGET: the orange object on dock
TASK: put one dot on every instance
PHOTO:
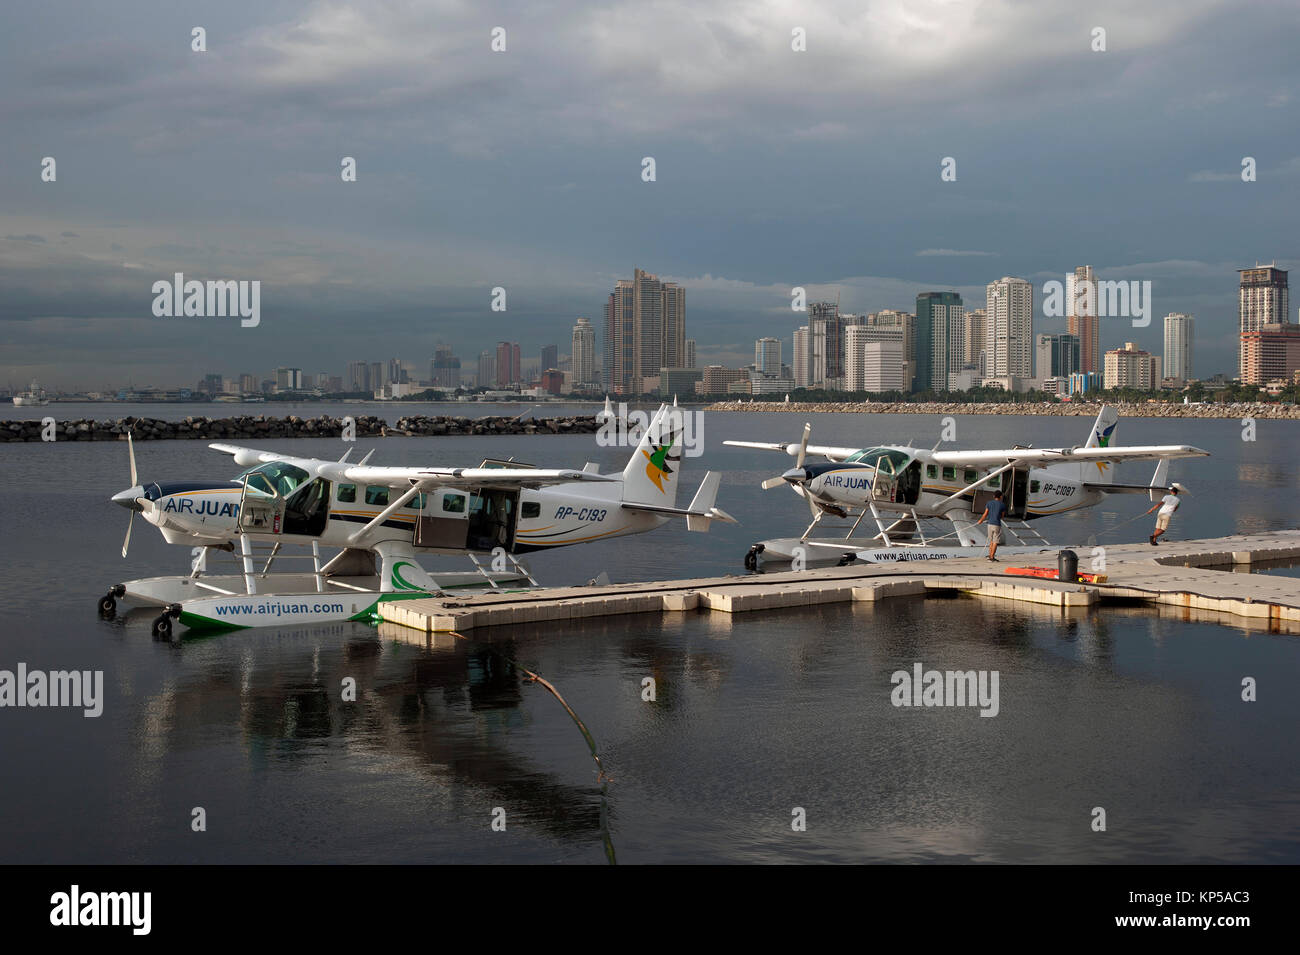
(1050, 573)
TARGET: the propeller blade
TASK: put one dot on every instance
(772, 482)
(130, 451)
(126, 544)
(803, 444)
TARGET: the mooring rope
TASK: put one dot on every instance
(601, 777)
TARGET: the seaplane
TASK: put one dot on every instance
(903, 488)
(381, 520)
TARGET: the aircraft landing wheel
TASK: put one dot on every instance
(162, 627)
(751, 558)
(108, 603)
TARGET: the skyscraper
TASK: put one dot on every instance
(891, 318)
(1263, 299)
(1057, 356)
(444, 369)
(1132, 367)
(487, 369)
(1082, 318)
(767, 356)
(509, 368)
(1179, 329)
(550, 357)
(873, 358)
(976, 331)
(802, 358)
(1009, 329)
(584, 353)
(690, 353)
(645, 330)
(826, 338)
(940, 321)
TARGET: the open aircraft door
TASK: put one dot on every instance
(444, 521)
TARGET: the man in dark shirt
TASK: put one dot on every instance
(993, 514)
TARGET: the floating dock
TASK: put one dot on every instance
(1200, 577)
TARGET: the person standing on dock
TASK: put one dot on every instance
(1167, 504)
(993, 514)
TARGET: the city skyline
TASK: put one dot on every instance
(501, 170)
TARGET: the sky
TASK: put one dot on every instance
(522, 169)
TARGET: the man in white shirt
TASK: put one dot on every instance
(1167, 504)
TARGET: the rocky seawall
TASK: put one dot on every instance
(1125, 409)
(253, 427)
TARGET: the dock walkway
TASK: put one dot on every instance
(1195, 575)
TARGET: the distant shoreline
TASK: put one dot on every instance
(1126, 409)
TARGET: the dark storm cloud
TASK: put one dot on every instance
(522, 169)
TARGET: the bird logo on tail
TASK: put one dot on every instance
(1103, 441)
(659, 462)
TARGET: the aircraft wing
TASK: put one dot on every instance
(838, 454)
(1044, 456)
(461, 477)
(405, 478)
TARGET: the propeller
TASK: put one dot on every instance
(135, 482)
(798, 462)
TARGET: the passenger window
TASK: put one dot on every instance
(968, 477)
(1033, 487)
(416, 503)
(377, 495)
(931, 471)
(995, 482)
(950, 474)
(347, 494)
(454, 504)
(531, 509)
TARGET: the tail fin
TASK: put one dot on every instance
(655, 469)
(1102, 436)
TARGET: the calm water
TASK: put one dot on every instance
(754, 715)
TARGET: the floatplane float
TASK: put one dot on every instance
(902, 489)
(381, 519)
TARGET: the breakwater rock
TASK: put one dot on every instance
(251, 427)
(1155, 409)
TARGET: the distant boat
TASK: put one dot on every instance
(32, 397)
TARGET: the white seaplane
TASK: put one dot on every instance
(380, 519)
(901, 488)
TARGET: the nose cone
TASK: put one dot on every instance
(127, 498)
(795, 475)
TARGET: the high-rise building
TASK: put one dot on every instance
(645, 330)
(690, 353)
(940, 322)
(891, 318)
(444, 368)
(1132, 367)
(1057, 356)
(802, 358)
(973, 342)
(358, 376)
(487, 369)
(826, 341)
(376, 376)
(248, 384)
(1082, 317)
(1263, 299)
(550, 357)
(767, 356)
(873, 358)
(509, 368)
(1270, 353)
(584, 353)
(1009, 329)
(1179, 329)
(288, 379)
(715, 379)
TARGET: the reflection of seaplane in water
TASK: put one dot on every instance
(380, 518)
(900, 488)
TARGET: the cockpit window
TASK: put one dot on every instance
(275, 477)
(888, 460)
